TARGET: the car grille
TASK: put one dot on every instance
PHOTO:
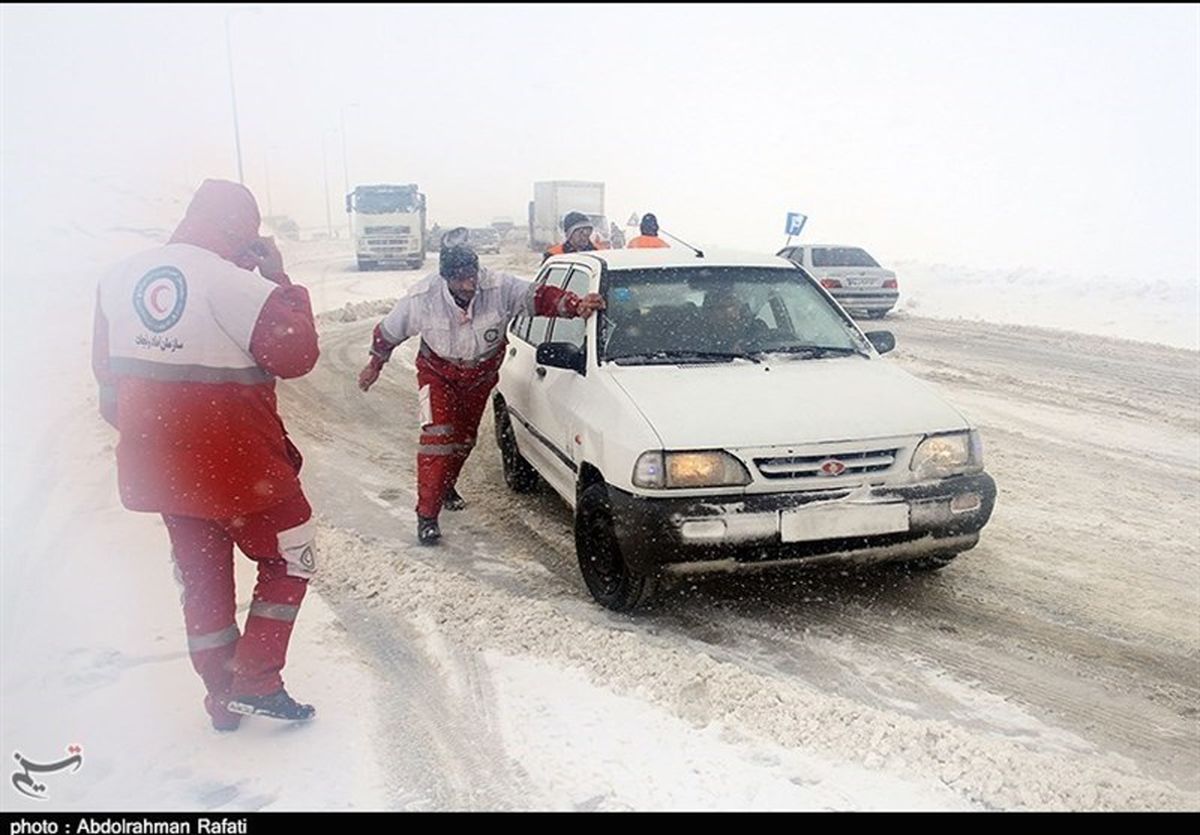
(810, 466)
(386, 230)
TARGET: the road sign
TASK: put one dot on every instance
(795, 222)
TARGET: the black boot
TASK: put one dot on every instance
(277, 705)
(453, 501)
(428, 532)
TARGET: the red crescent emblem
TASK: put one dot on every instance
(158, 308)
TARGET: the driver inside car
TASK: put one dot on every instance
(729, 323)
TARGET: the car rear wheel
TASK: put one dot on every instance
(519, 475)
(608, 576)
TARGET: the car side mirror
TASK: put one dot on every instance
(349, 199)
(883, 341)
(562, 355)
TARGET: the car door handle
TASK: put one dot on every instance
(540, 371)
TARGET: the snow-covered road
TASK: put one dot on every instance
(1055, 666)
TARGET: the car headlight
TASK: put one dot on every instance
(714, 468)
(940, 456)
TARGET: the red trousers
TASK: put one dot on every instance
(280, 540)
(453, 397)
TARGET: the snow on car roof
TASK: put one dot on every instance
(679, 256)
(830, 246)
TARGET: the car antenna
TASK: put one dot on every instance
(699, 254)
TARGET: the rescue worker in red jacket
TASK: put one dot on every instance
(649, 238)
(462, 314)
(188, 342)
(578, 229)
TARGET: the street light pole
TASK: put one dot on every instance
(267, 171)
(325, 165)
(346, 169)
(237, 139)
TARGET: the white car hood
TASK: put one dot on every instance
(790, 401)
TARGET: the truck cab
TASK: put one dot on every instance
(388, 223)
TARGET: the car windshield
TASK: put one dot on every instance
(484, 235)
(717, 314)
(842, 256)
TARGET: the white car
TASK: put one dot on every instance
(850, 275)
(723, 413)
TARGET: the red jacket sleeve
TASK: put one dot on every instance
(381, 347)
(284, 341)
(554, 301)
(108, 383)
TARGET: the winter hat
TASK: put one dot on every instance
(575, 220)
(649, 224)
(458, 261)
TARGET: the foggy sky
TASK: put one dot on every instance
(1061, 137)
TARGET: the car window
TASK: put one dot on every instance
(539, 326)
(573, 330)
(521, 324)
(661, 315)
(842, 256)
(798, 255)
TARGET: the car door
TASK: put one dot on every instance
(557, 396)
(525, 334)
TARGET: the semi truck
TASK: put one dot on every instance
(552, 199)
(388, 224)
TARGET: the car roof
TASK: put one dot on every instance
(826, 246)
(677, 256)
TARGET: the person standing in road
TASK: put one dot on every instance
(188, 341)
(616, 237)
(649, 238)
(578, 230)
(461, 314)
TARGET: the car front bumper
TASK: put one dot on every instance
(732, 532)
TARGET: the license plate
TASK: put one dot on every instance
(861, 282)
(833, 521)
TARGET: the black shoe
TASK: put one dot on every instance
(453, 501)
(277, 705)
(428, 532)
(223, 719)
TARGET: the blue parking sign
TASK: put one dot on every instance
(795, 222)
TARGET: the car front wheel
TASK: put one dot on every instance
(609, 578)
(923, 565)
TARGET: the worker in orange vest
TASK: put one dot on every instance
(578, 229)
(649, 238)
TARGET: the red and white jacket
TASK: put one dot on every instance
(186, 349)
(473, 338)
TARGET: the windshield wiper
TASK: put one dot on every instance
(673, 355)
(816, 351)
